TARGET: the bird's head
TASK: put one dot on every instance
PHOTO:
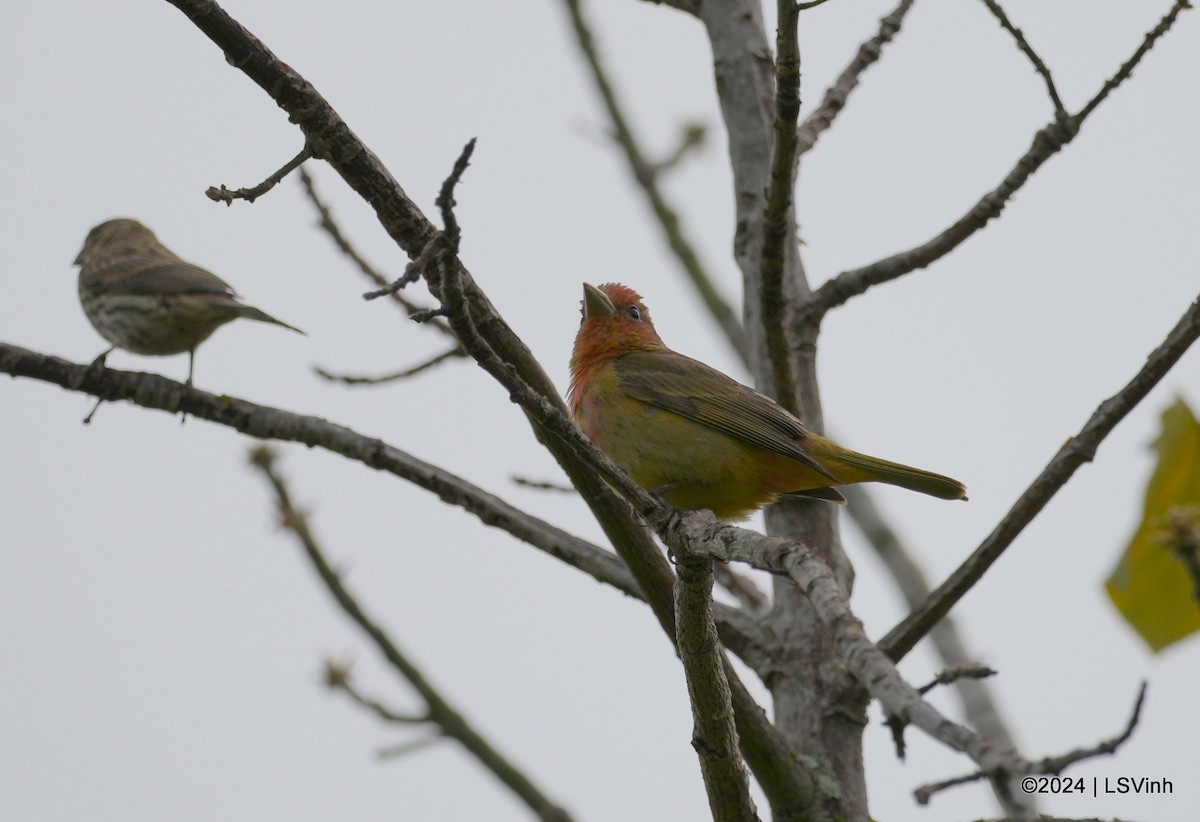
(615, 322)
(615, 315)
(115, 235)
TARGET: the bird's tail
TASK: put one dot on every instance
(252, 313)
(850, 466)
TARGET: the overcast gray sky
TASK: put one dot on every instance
(161, 638)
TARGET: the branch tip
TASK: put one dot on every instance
(227, 196)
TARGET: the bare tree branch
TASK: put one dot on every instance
(1060, 111)
(777, 227)
(1046, 143)
(351, 379)
(332, 140)
(819, 121)
(692, 137)
(410, 747)
(701, 533)
(714, 735)
(160, 393)
(226, 196)
(955, 674)
(1078, 450)
(1126, 69)
(816, 703)
(1052, 765)
(337, 675)
(154, 392)
(644, 174)
(978, 707)
(960, 673)
(1058, 764)
(445, 716)
(542, 485)
(789, 787)
(329, 225)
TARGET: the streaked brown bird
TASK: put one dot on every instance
(143, 298)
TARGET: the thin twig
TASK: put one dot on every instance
(410, 747)
(840, 289)
(1078, 450)
(427, 315)
(946, 677)
(691, 138)
(776, 235)
(1060, 111)
(1047, 142)
(542, 485)
(1126, 69)
(1057, 764)
(350, 379)
(412, 272)
(440, 712)
(341, 682)
(329, 225)
(226, 196)
(971, 670)
(1050, 765)
(816, 123)
(644, 175)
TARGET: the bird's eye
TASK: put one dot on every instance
(634, 314)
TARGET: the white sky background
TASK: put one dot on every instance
(161, 638)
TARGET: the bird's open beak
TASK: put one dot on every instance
(596, 303)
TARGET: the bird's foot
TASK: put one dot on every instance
(93, 370)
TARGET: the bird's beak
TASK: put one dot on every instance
(596, 303)
(79, 258)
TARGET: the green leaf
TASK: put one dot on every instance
(1151, 585)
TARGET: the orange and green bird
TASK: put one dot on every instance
(696, 436)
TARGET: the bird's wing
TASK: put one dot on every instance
(691, 389)
(158, 276)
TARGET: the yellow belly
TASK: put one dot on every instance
(692, 464)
